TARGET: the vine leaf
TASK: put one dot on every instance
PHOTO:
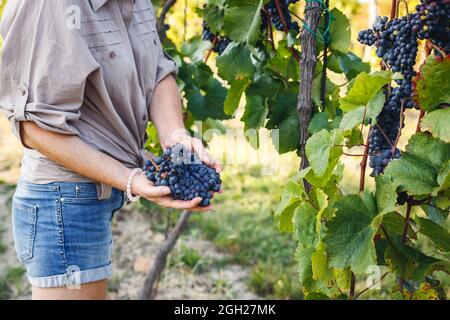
(386, 194)
(348, 63)
(255, 113)
(417, 170)
(340, 32)
(394, 223)
(437, 122)
(235, 63)
(283, 116)
(242, 22)
(407, 262)
(432, 85)
(291, 198)
(350, 234)
(365, 87)
(438, 234)
(305, 225)
(213, 14)
(318, 122)
(263, 85)
(234, 95)
(322, 148)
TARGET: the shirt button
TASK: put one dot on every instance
(112, 54)
(144, 118)
(154, 41)
(23, 92)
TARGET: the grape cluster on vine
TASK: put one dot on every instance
(219, 43)
(397, 43)
(280, 23)
(433, 22)
(185, 175)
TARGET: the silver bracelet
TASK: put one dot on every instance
(130, 182)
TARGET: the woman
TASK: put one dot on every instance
(79, 81)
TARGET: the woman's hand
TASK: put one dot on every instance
(194, 144)
(161, 195)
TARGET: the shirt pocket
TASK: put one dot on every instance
(144, 29)
(24, 228)
(104, 39)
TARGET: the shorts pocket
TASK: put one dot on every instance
(24, 228)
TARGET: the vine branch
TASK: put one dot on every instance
(308, 61)
(160, 24)
(148, 291)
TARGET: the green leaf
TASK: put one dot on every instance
(407, 262)
(432, 86)
(322, 147)
(437, 122)
(439, 235)
(352, 65)
(340, 32)
(195, 49)
(235, 63)
(352, 119)
(365, 87)
(255, 113)
(213, 14)
(292, 196)
(264, 85)
(435, 214)
(305, 225)
(234, 95)
(318, 122)
(283, 116)
(242, 21)
(394, 223)
(208, 104)
(350, 234)
(386, 194)
(417, 170)
(284, 67)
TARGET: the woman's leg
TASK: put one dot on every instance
(89, 291)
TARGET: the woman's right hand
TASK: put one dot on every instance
(161, 195)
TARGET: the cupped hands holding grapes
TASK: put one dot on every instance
(183, 177)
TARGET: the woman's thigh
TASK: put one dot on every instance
(63, 235)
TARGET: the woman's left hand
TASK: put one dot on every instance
(197, 146)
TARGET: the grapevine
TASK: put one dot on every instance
(397, 43)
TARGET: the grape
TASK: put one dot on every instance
(187, 177)
(433, 22)
(220, 43)
(396, 43)
(275, 18)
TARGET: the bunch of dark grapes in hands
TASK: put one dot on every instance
(397, 45)
(219, 43)
(187, 177)
(271, 12)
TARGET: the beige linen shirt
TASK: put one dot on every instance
(81, 67)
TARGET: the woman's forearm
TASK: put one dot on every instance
(166, 112)
(75, 155)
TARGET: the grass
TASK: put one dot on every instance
(243, 226)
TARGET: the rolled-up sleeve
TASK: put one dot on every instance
(44, 66)
(166, 66)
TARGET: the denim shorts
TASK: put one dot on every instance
(62, 232)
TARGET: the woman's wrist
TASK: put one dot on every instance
(131, 195)
(173, 137)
